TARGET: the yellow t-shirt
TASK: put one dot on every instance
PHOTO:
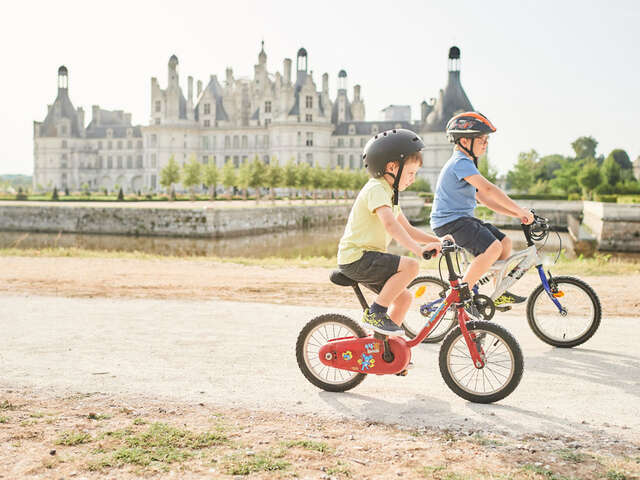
(364, 230)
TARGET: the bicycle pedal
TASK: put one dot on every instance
(403, 373)
(504, 308)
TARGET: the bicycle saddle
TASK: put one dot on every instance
(339, 279)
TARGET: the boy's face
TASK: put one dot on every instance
(479, 145)
(408, 173)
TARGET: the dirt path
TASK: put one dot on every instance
(203, 280)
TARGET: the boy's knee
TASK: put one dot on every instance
(495, 249)
(405, 296)
(412, 266)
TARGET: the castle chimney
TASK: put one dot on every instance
(356, 92)
(190, 89)
(287, 71)
(199, 88)
(325, 83)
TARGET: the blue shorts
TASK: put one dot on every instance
(471, 233)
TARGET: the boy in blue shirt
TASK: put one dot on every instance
(460, 186)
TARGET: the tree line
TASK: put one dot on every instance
(580, 176)
(296, 177)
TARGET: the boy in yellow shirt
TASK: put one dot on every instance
(392, 158)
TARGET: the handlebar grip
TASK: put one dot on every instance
(427, 254)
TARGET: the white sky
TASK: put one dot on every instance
(544, 72)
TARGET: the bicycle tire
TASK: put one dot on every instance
(442, 329)
(586, 334)
(512, 348)
(305, 367)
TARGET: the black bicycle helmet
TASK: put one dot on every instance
(468, 125)
(390, 146)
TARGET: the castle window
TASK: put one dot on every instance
(308, 117)
(351, 142)
(205, 143)
(207, 108)
(119, 144)
(139, 161)
(267, 122)
(267, 107)
(119, 162)
(236, 161)
(109, 162)
(99, 145)
(158, 106)
(207, 123)
(64, 144)
(129, 162)
(265, 159)
(109, 132)
(341, 161)
(153, 181)
(374, 129)
(129, 144)
(309, 102)
(129, 132)
(236, 141)
(341, 142)
(299, 136)
(227, 141)
(245, 141)
(157, 121)
(363, 142)
(310, 159)
(351, 162)
(213, 142)
(352, 129)
(154, 140)
(139, 144)
(154, 161)
(309, 142)
(266, 141)
(99, 162)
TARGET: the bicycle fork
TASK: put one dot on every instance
(551, 289)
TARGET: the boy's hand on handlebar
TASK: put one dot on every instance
(447, 237)
(430, 247)
(526, 217)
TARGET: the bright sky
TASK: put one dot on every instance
(544, 72)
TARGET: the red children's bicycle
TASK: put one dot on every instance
(480, 361)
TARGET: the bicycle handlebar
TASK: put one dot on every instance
(427, 254)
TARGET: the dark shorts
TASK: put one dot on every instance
(372, 270)
(471, 233)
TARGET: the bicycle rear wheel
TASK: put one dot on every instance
(573, 326)
(426, 293)
(312, 337)
(503, 363)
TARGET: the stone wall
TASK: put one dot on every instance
(556, 211)
(176, 221)
(615, 226)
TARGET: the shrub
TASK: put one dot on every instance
(606, 198)
(541, 196)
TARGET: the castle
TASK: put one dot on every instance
(276, 117)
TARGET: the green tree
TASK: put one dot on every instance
(521, 177)
(546, 167)
(329, 181)
(342, 180)
(585, 147)
(211, 176)
(244, 178)
(192, 175)
(303, 178)
(317, 181)
(120, 195)
(485, 168)
(621, 158)
(590, 177)
(565, 180)
(257, 174)
(611, 171)
(290, 177)
(229, 177)
(54, 195)
(169, 175)
(423, 185)
(274, 178)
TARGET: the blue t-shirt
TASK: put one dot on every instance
(455, 197)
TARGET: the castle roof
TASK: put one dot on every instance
(366, 128)
(61, 108)
(215, 90)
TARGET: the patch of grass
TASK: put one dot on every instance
(261, 462)
(4, 419)
(429, 471)
(615, 475)
(485, 441)
(36, 415)
(159, 444)
(546, 473)
(569, 455)
(339, 469)
(140, 421)
(98, 416)
(321, 447)
(73, 438)
(125, 432)
(6, 405)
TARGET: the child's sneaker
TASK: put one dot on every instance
(381, 323)
(509, 298)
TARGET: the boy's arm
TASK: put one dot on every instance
(497, 200)
(398, 232)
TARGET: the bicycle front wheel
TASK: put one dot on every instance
(575, 323)
(503, 363)
(426, 293)
(313, 336)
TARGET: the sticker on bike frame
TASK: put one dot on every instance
(366, 362)
(346, 356)
(559, 294)
(372, 347)
(435, 314)
(420, 291)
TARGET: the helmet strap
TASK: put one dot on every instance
(469, 152)
(396, 183)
